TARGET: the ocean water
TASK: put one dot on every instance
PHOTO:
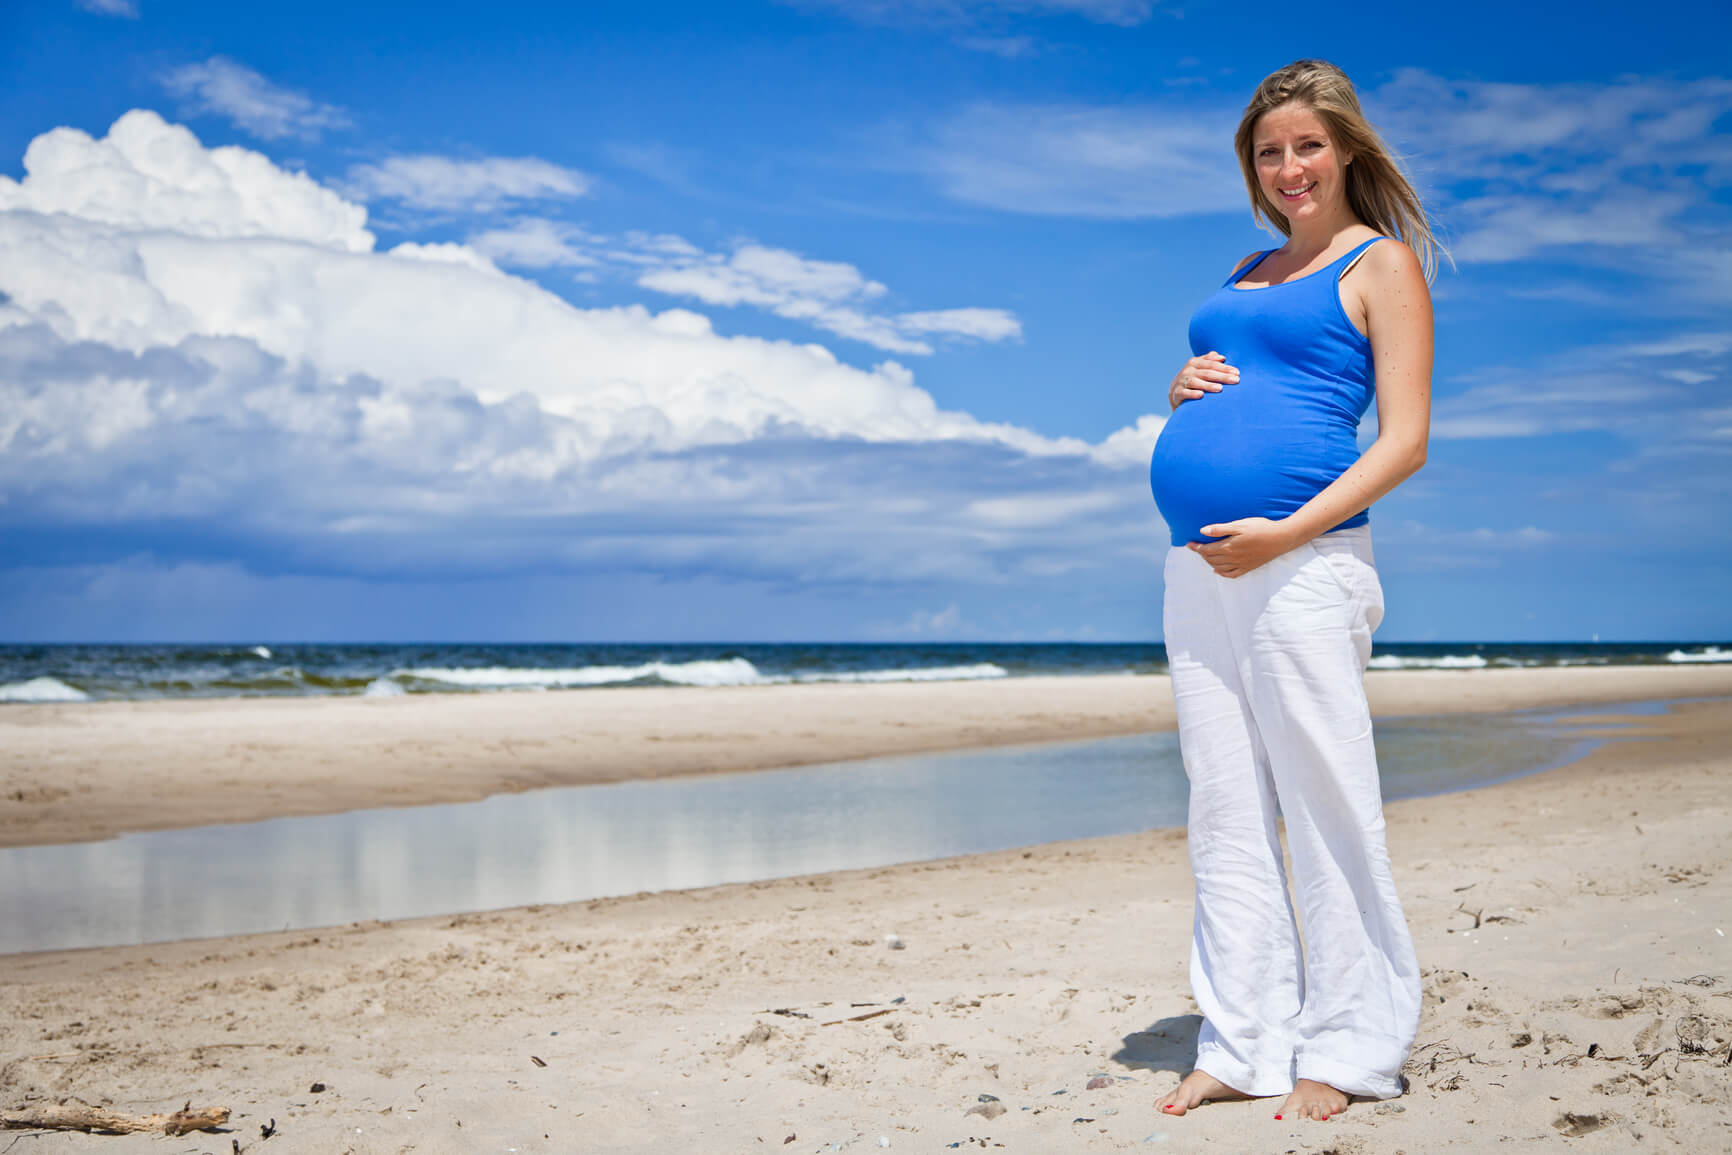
(76, 673)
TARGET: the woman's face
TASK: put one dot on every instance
(1296, 162)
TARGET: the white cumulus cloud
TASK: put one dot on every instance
(1134, 444)
(149, 176)
(197, 335)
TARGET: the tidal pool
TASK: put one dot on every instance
(575, 843)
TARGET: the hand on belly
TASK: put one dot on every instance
(1244, 545)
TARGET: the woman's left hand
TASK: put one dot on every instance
(1245, 545)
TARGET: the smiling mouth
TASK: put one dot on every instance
(1293, 196)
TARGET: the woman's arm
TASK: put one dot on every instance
(1398, 322)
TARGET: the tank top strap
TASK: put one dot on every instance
(1347, 258)
(1249, 265)
(1341, 261)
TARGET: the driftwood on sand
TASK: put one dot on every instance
(83, 1117)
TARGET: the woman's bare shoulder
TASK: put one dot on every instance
(1391, 260)
(1385, 276)
(1392, 292)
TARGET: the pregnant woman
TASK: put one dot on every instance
(1271, 599)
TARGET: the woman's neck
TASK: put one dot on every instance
(1312, 238)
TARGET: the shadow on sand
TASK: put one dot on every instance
(1168, 1045)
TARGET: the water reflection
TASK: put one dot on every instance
(571, 844)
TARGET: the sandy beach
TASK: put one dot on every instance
(1572, 926)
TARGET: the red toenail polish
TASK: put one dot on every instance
(1277, 1116)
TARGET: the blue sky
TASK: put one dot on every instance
(809, 320)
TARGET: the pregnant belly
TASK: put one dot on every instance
(1204, 471)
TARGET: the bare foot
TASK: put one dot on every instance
(1313, 1100)
(1194, 1090)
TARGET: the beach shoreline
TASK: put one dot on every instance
(1570, 926)
(73, 772)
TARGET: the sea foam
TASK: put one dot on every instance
(725, 672)
(42, 689)
(1709, 654)
(1441, 662)
(913, 674)
(718, 672)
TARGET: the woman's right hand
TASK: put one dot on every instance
(1204, 374)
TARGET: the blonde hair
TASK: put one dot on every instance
(1378, 192)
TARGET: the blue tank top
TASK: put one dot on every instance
(1272, 442)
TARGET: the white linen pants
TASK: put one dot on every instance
(1267, 673)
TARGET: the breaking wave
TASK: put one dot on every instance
(1440, 662)
(720, 672)
(1709, 654)
(42, 689)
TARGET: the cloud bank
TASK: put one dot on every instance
(209, 356)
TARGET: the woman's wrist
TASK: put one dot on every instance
(1296, 530)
